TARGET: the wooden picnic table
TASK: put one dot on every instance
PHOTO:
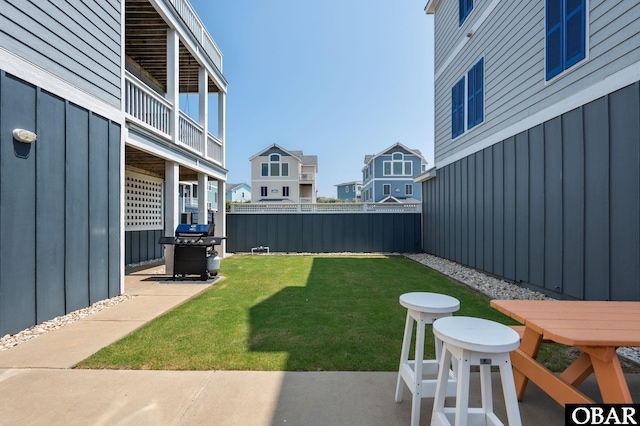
(596, 328)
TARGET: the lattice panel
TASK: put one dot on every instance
(143, 202)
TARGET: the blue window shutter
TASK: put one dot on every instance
(479, 98)
(554, 37)
(471, 96)
(574, 44)
(454, 111)
(461, 106)
(457, 109)
(475, 94)
(464, 8)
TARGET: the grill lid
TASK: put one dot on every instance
(191, 230)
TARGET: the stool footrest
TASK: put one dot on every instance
(476, 417)
(428, 385)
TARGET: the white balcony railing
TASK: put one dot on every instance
(307, 177)
(149, 109)
(214, 148)
(146, 105)
(190, 201)
(326, 208)
(198, 30)
(190, 133)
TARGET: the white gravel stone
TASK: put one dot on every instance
(11, 340)
(494, 287)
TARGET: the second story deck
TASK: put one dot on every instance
(169, 54)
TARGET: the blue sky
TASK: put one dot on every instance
(338, 79)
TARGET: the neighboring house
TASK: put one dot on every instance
(279, 175)
(98, 82)
(388, 176)
(537, 141)
(349, 191)
(238, 192)
(189, 200)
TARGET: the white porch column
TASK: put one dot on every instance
(203, 107)
(171, 213)
(173, 84)
(222, 128)
(220, 217)
(202, 198)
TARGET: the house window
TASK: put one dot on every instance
(472, 99)
(565, 34)
(275, 167)
(397, 167)
(457, 109)
(408, 189)
(346, 189)
(407, 168)
(475, 94)
(464, 9)
(386, 189)
(263, 191)
(285, 191)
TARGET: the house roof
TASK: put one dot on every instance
(394, 148)
(305, 160)
(350, 183)
(275, 200)
(232, 186)
(431, 6)
(392, 199)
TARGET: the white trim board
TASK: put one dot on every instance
(27, 71)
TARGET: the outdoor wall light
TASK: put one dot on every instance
(24, 136)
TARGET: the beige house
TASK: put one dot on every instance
(279, 175)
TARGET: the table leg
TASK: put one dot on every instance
(562, 392)
(530, 345)
(611, 381)
(578, 371)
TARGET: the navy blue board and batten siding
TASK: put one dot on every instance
(325, 233)
(59, 207)
(556, 207)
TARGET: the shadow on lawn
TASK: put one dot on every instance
(346, 317)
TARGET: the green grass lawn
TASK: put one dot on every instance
(292, 313)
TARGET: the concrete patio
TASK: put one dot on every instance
(39, 385)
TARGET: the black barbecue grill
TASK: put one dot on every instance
(193, 250)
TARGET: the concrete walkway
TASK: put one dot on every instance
(39, 386)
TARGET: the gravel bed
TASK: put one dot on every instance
(11, 340)
(495, 288)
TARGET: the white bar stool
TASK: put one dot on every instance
(475, 341)
(423, 308)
